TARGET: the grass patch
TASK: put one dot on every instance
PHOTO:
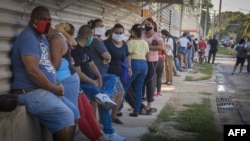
(205, 93)
(222, 50)
(165, 114)
(207, 69)
(197, 118)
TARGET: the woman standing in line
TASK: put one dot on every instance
(102, 58)
(118, 50)
(155, 43)
(138, 51)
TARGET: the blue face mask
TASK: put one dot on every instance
(90, 40)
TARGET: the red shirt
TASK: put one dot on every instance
(202, 45)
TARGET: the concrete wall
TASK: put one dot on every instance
(21, 126)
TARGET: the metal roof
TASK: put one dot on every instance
(166, 1)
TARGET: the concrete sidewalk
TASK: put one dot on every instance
(134, 127)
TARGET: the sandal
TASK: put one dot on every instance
(119, 114)
(117, 121)
(143, 112)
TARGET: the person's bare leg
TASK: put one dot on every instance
(117, 98)
(235, 67)
(241, 68)
(185, 60)
(65, 134)
(181, 61)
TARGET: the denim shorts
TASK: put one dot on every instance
(182, 50)
(48, 108)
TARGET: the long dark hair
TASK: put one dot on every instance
(92, 23)
(137, 28)
(167, 33)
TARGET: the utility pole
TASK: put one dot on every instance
(205, 25)
(219, 19)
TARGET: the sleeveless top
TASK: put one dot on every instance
(66, 68)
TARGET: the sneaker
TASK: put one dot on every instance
(105, 101)
(114, 137)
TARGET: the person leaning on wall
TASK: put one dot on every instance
(35, 78)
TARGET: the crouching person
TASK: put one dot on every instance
(35, 78)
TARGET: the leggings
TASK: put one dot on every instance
(159, 72)
(87, 122)
(149, 81)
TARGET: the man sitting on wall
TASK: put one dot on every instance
(35, 78)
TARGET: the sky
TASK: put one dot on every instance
(232, 5)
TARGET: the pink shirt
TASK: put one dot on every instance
(153, 54)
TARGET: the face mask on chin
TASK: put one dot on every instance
(42, 27)
(118, 37)
(148, 28)
(89, 41)
(100, 31)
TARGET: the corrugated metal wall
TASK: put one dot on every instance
(14, 16)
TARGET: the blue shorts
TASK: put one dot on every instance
(71, 92)
(182, 50)
(48, 108)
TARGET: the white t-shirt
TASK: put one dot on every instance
(170, 42)
(183, 42)
(248, 46)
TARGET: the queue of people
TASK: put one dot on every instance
(65, 79)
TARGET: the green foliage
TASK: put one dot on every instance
(165, 114)
(231, 22)
(222, 50)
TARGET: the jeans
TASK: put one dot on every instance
(176, 63)
(139, 69)
(109, 82)
(189, 58)
(248, 63)
(71, 90)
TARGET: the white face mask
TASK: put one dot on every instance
(118, 37)
(100, 31)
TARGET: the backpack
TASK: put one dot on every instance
(241, 51)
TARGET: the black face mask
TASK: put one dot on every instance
(148, 28)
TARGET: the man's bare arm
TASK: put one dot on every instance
(31, 64)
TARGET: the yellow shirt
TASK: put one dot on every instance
(138, 49)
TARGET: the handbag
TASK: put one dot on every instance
(124, 74)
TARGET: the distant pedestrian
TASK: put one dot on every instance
(241, 55)
(213, 49)
(248, 55)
